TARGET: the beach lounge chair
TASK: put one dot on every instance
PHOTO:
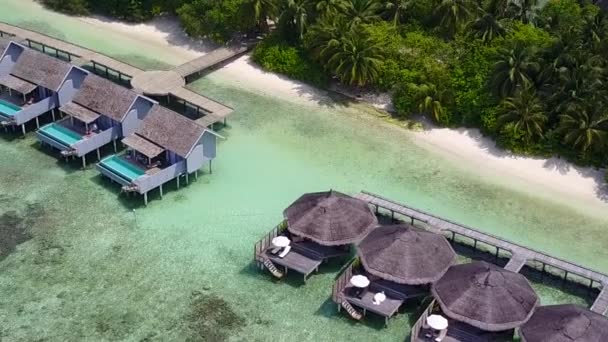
(442, 334)
(285, 251)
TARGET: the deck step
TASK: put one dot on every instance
(273, 269)
(351, 310)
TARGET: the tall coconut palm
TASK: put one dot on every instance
(262, 11)
(585, 127)
(397, 9)
(355, 59)
(498, 8)
(363, 11)
(323, 38)
(525, 112)
(431, 101)
(486, 27)
(514, 68)
(454, 13)
(524, 10)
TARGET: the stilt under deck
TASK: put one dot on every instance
(520, 255)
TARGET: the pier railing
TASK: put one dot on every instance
(343, 279)
(420, 322)
(265, 242)
(520, 256)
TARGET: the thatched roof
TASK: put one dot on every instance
(171, 131)
(143, 146)
(38, 68)
(105, 97)
(79, 112)
(485, 296)
(406, 255)
(17, 84)
(330, 218)
(565, 323)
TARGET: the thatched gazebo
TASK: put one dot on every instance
(565, 323)
(406, 255)
(485, 296)
(330, 218)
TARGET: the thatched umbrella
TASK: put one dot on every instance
(406, 255)
(330, 218)
(485, 296)
(565, 323)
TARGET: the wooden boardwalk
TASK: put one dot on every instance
(215, 57)
(520, 255)
(153, 83)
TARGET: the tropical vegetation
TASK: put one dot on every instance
(533, 77)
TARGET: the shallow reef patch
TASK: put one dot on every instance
(211, 318)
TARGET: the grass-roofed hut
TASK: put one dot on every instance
(165, 147)
(319, 226)
(483, 302)
(565, 323)
(401, 261)
(34, 84)
(101, 112)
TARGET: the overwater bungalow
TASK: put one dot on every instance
(477, 301)
(165, 147)
(565, 323)
(397, 264)
(101, 112)
(34, 84)
(318, 227)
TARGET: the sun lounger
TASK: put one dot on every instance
(284, 252)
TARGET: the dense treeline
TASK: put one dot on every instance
(534, 78)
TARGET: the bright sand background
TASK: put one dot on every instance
(97, 270)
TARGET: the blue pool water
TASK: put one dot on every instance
(8, 109)
(61, 134)
(122, 167)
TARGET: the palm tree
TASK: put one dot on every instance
(363, 11)
(397, 9)
(514, 68)
(262, 11)
(330, 7)
(486, 27)
(595, 30)
(453, 13)
(585, 127)
(431, 100)
(498, 8)
(524, 10)
(323, 38)
(525, 112)
(295, 16)
(355, 59)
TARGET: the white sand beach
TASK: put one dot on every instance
(466, 148)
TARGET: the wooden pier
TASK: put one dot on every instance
(211, 59)
(171, 83)
(520, 255)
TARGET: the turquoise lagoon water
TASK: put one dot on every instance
(122, 167)
(8, 109)
(61, 134)
(80, 262)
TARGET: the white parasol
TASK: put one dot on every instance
(281, 241)
(359, 281)
(437, 322)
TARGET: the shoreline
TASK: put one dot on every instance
(466, 148)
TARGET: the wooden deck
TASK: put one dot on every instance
(153, 83)
(520, 254)
(215, 57)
